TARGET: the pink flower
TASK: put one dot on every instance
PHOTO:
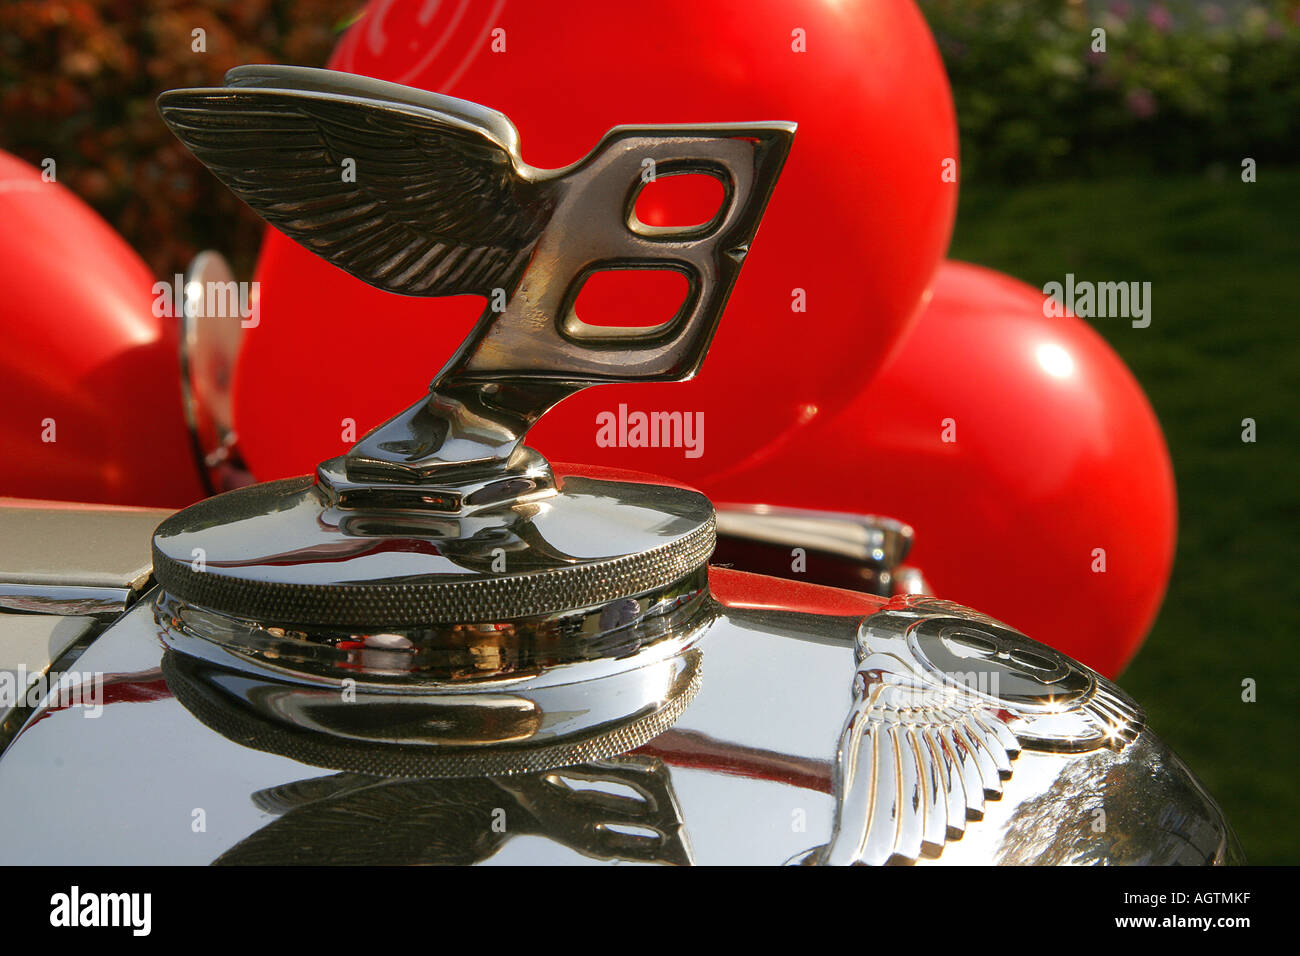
(1159, 18)
(1141, 103)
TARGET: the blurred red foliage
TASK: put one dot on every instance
(78, 79)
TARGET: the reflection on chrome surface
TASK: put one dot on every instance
(617, 810)
(747, 774)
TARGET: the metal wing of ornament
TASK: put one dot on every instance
(944, 700)
(412, 192)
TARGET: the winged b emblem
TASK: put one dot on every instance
(944, 700)
(439, 202)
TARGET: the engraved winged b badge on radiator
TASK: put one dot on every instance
(426, 195)
(944, 700)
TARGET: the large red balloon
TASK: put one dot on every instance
(90, 400)
(854, 231)
(1058, 463)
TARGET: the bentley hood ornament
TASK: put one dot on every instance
(442, 514)
(441, 203)
(445, 623)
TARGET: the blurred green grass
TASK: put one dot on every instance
(1223, 258)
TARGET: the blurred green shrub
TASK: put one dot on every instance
(78, 79)
(1179, 86)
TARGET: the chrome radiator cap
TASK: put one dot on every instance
(287, 554)
(441, 556)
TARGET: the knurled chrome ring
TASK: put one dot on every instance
(485, 599)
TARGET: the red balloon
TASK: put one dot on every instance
(89, 376)
(854, 231)
(1057, 464)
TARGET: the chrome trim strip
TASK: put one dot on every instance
(870, 539)
(66, 600)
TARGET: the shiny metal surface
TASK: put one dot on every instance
(61, 599)
(69, 559)
(866, 538)
(841, 549)
(209, 346)
(746, 775)
(944, 700)
(910, 580)
(285, 553)
(30, 644)
(445, 702)
(617, 810)
(52, 551)
(66, 570)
